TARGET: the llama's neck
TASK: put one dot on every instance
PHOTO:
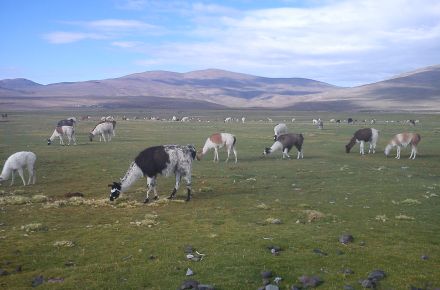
(208, 145)
(54, 135)
(133, 174)
(276, 146)
(6, 172)
(352, 142)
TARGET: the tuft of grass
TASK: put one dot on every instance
(14, 200)
(64, 243)
(34, 227)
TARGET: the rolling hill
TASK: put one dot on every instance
(216, 89)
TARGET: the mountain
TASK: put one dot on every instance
(215, 89)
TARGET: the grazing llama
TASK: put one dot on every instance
(285, 142)
(216, 141)
(17, 162)
(361, 136)
(403, 140)
(64, 128)
(103, 129)
(164, 160)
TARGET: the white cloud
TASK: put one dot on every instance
(61, 37)
(126, 44)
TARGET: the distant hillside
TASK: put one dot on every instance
(213, 88)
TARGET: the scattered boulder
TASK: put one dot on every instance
(367, 283)
(376, 275)
(347, 271)
(189, 284)
(205, 287)
(271, 287)
(266, 274)
(310, 281)
(348, 287)
(424, 257)
(189, 272)
(319, 252)
(37, 281)
(346, 239)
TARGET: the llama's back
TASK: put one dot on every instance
(20, 159)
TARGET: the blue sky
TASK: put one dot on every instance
(344, 43)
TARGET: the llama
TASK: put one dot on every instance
(102, 129)
(216, 141)
(278, 130)
(164, 160)
(17, 162)
(361, 136)
(228, 120)
(285, 142)
(320, 124)
(64, 128)
(403, 140)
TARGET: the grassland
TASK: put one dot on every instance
(391, 207)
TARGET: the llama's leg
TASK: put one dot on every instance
(61, 140)
(12, 177)
(413, 152)
(235, 153)
(74, 139)
(69, 138)
(31, 173)
(374, 148)
(285, 153)
(187, 178)
(151, 184)
(361, 147)
(229, 153)
(109, 136)
(398, 152)
(176, 186)
(20, 172)
(215, 154)
(103, 137)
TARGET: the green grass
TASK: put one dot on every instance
(224, 219)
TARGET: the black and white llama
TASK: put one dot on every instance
(64, 128)
(164, 160)
(285, 142)
(361, 136)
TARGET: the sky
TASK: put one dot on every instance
(344, 43)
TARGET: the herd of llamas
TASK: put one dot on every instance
(168, 159)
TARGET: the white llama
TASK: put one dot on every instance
(103, 129)
(61, 131)
(17, 162)
(216, 141)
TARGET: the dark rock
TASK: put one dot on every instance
(424, 257)
(205, 287)
(189, 284)
(3, 272)
(347, 271)
(348, 287)
(37, 281)
(319, 252)
(376, 275)
(152, 257)
(266, 274)
(69, 263)
(295, 287)
(18, 269)
(346, 239)
(189, 249)
(310, 281)
(367, 283)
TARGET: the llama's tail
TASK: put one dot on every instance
(235, 141)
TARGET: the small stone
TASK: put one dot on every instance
(362, 243)
(205, 287)
(367, 283)
(376, 275)
(319, 252)
(189, 249)
(271, 287)
(348, 287)
(152, 257)
(37, 281)
(189, 284)
(347, 271)
(55, 280)
(346, 239)
(69, 264)
(312, 281)
(266, 274)
(424, 257)
(189, 272)
(3, 272)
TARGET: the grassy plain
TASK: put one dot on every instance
(391, 207)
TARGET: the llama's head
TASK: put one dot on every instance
(49, 142)
(275, 137)
(115, 190)
(91, 136)
(388, 149)
(267, 151)
(193, 151)
(347, 148)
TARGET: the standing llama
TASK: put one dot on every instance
(278, 130)
(17, 162)
(64, 128)
(403, 140)
(361, 136)
(285, 142)
(216, 141)
(164, 160)
(102, 129)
